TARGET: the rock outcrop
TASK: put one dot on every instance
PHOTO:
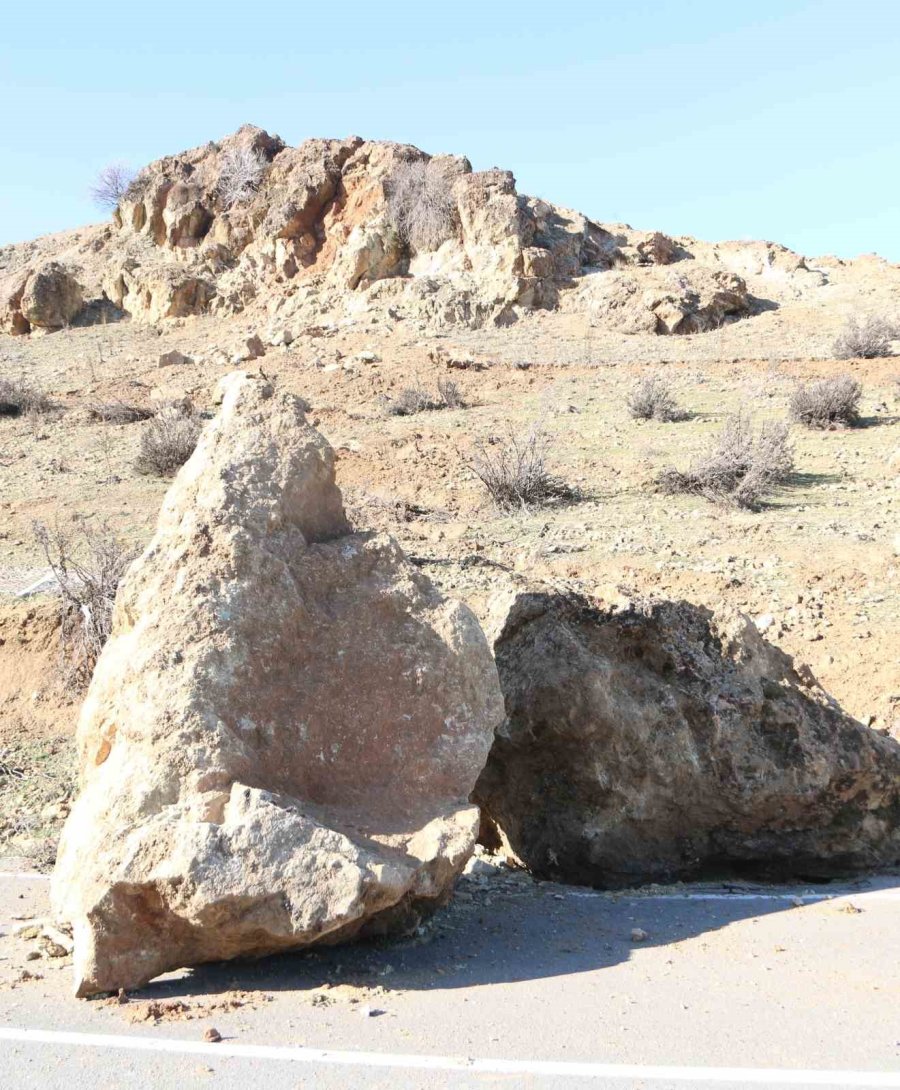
(692, 299)
(283, 731)
(250, 223)
(46, 297)
(656, 741)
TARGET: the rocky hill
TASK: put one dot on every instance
(333, 229)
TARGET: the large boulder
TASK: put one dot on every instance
(281, 736)
(49, 299)
(664, 300)
(656, 741)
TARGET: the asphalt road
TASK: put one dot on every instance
(518, 984)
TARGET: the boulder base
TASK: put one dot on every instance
(282, 733)
(657, 741)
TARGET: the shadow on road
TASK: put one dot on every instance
(500, 932)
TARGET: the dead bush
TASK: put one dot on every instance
(651, 399)
(87, 565)
(111, 185)
(450, 394)
(18, 398)
(417, 399)
(240, 172)
(411, 400)
(420, 204)
(513, 468)
(827, 403)
(866, 340)
(118, 412)
(739, 467)
(168, 440)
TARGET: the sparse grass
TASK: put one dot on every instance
(417, 399)
(37, 782)
(118, 412)
(240, 173)
(866, 340)
(168, 440)
(420, 204)
(87, 564)
(514, 471)
(738, 468)
(651, 399)
(827, 403)
(18, 398)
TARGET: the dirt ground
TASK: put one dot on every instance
(820, 559)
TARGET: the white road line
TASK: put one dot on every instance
(554, 1068)
(790, 898)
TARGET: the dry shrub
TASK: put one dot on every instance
(111, 185)
(651, 399)
(827, 403)
(866, 340)
(739, 467)
(168, 440)
(411, 400)
(87, 564)
(420, 203)
(117, 412)
(240, 172)
(416, 399)
(18, 397)
(514, 471)
(450, 394)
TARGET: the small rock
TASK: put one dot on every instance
(638, 934)
(212, 1035)
(254, 348)
(55, 942)
(173, 359)
(29, 930)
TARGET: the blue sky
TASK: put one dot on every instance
(776, 120)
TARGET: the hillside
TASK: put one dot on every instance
(536, 313)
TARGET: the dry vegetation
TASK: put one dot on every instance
(18, 397)
(87, 564)
(111, 185)
(740, 467)
(513, 468)
(168, 440)
(651, 398)
(827, 402)
(418, 399)
(242, 171)
(421, 205)
(868, 339)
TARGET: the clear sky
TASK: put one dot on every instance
(775, 119)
